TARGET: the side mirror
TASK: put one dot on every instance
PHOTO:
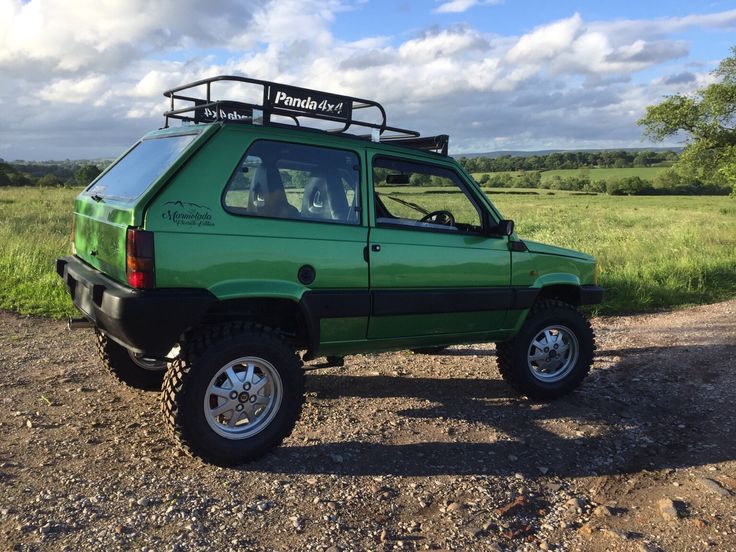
(503, 228)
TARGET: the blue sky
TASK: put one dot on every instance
(511, 16)
(494, 74)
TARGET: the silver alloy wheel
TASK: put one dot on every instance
(243, 397)
(553, 354)
(153, 364)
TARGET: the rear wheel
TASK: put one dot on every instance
(234, 394)
(130, 368)
(551, 354)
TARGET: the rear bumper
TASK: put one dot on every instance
(145, 321)
(591, 295)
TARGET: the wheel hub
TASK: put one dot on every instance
(553, 353)
(243, 398)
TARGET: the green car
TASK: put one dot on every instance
(214, 257)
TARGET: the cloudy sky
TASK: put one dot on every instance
(82, 79)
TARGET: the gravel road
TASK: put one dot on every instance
(393, 452)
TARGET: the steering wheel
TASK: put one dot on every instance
(439, 217)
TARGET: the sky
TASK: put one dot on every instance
(84, 80)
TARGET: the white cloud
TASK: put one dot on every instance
(75, 91)
(547, 41)
(96, 76)
(68, 36)
(459, 6)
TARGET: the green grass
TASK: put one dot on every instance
(35, 229)
(647, 173)
(654, 252)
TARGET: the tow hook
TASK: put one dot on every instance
(78, 323)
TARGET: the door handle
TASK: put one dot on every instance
(376, 247)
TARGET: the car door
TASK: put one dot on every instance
(434, 268)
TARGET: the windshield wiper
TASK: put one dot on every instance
(407, 203)
(96, 197)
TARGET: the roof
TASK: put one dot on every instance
(281, 105)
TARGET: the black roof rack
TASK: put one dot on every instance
(291, 103)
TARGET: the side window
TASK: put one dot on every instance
(294, 181)
(422, 197)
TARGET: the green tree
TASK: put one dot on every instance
(420, 179)
(708, 118)
(86, 174)
(49, 180)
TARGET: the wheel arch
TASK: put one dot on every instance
(287, 315)
(567, 293)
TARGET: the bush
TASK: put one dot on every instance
(632, 185)
(570, 183)
(597, 186)
(49, 180)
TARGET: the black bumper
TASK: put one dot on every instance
(145, 321)
(591, 295)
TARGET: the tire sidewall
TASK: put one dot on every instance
(578, 325)
(117, 360)
(198, 433)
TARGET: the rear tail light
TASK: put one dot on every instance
(139, 259)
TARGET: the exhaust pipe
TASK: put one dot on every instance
(79, 323)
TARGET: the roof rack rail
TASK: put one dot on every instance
(291, 103)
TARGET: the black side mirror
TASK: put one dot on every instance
(503, 228)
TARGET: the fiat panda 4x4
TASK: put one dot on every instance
(214, 257)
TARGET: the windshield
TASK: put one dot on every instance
(140, 167)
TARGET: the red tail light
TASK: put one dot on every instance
(139, 259)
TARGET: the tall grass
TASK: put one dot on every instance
(35, 229)
(653, 251)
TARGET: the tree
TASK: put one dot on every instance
(708, 118)
(49, 180)
(86, 174)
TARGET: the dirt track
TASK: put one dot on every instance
(394, 451)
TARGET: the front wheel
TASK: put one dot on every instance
(234, 394)
(551, 354)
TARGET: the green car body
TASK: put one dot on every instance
(199, 245)
(207, 255)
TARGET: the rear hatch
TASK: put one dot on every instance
(116, 200)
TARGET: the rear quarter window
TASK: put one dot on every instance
(295, 181)
(140, 167)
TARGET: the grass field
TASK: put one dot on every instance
(653, 251)
(647, 173)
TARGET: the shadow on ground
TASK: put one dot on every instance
(651, 408)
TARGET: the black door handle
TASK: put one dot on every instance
(376, 247)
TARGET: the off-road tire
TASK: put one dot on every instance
(512, 355)
(203, 353)
(116, 359)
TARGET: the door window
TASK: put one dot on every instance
(295, 181)
(422, 197)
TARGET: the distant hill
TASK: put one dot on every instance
(522, 153)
